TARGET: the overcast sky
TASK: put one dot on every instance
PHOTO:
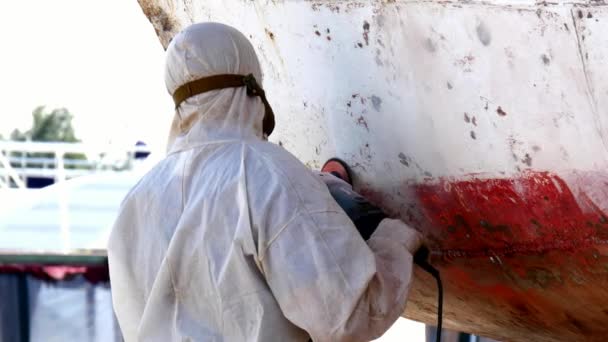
(99, 59)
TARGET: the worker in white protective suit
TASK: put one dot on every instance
(230, 237)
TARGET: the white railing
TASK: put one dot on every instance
(17, 164)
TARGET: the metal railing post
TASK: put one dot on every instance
(10, 171)
(31, 159)
(59, 166)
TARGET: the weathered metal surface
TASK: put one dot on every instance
(482, 123)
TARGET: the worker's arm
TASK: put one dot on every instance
(325, 277)
(331, 284)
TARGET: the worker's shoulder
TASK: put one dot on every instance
(282, 183)
(265, 158)
(274, 158)
(153, 180)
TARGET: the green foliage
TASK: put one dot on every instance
(53, 126)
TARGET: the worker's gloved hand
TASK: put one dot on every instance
(397, 230)
(364, 215)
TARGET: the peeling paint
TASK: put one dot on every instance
(483, 33)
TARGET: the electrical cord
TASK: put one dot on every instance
(421, 258)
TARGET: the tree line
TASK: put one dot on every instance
(47, 126)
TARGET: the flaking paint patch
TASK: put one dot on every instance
(429, 45)
(366, 27)
(483, 34)
(376, 103)
(500, 111)
(546, 59)
(405, 160)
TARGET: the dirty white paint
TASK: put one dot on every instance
(427, 89)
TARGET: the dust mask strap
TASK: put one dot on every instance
(218, 82)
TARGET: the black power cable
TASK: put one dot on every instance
(421, 258)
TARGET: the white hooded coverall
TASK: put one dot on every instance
(231, 238)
